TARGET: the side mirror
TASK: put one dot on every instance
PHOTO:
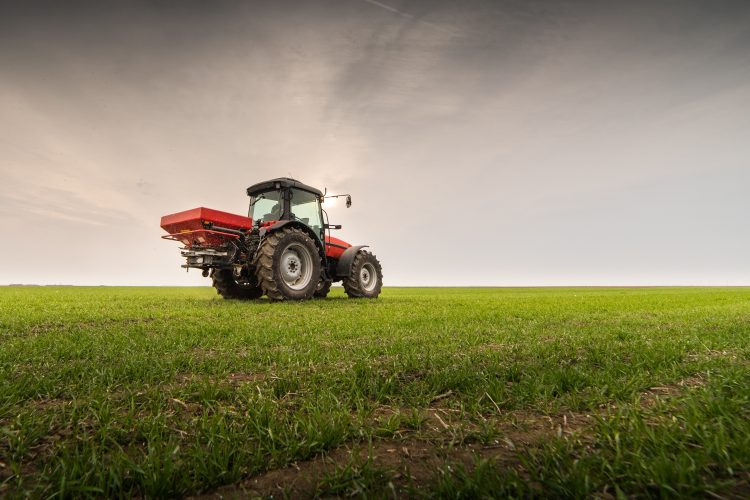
(348, 200)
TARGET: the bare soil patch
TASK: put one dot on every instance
(652, 395)
(415, 459)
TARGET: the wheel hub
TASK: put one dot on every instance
(296, 266)
(368, 277)
(290, 266)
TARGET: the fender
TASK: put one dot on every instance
(344, 267)
(304, 227)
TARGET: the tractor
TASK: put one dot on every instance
(283, 248)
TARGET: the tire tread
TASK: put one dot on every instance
(351, 283)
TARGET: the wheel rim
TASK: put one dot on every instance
(296, 266)
(368, 277)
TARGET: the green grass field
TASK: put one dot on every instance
(424, 392)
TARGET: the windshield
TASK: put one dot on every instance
(266, 206)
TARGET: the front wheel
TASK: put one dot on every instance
(366, 278)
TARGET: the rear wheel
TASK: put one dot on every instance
(230, 287)
(366, 278)
(287, 265)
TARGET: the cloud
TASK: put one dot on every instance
(448, 122)
(401, 13)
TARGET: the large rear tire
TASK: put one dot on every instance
(287, 265)
(230, 288)
(366, 277)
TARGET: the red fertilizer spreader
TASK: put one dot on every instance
(204, 227)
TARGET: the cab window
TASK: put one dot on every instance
(306, 208)
(266, 207)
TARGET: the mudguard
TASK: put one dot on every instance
(344, 267)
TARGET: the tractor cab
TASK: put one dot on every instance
(286, 199)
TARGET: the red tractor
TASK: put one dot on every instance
(282, 249)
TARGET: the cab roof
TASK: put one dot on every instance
(281, 182)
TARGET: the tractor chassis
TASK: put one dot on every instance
(206, 258)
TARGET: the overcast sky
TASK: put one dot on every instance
(483, 142)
